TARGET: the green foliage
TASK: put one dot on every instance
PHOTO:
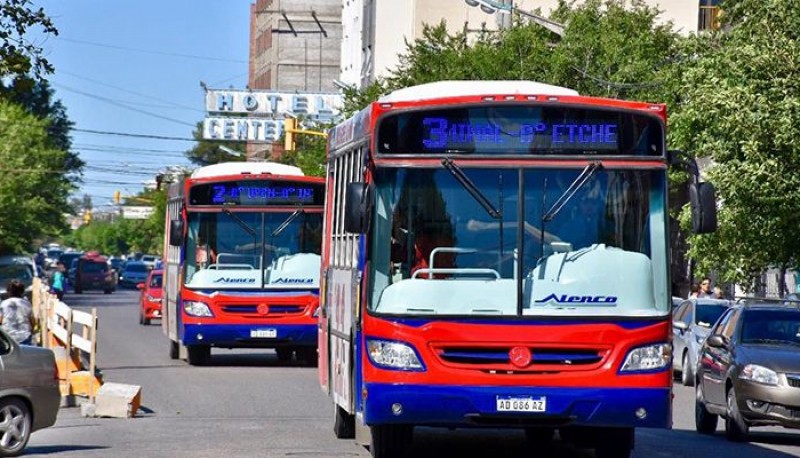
(740, 108)
(35, 187)
(309, 153)
(19, 55)
(208, 152)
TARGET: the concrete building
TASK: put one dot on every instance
(294, 46)
(374, 32)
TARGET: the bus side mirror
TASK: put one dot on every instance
(357, 207)
(703, 201)
(176, 232)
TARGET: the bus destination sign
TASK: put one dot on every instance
(256, 193)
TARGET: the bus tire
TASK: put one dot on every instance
(174, 350)
(389, 441)
(284, 354)
(344, 424)
(198, 355)
(614, 443)
(308, 355)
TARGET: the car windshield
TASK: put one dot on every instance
(136, 268)
(239, 249)
(155, 281)
(771, 327)
(708, 314)
(20, 272)
(600, 251)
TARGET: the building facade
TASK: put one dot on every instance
(374, 32)
(294, 46)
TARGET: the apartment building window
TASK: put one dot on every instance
(709, 15)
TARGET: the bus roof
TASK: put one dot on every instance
(248, 168)
(444, 89)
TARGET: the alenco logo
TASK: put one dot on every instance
(566, 299)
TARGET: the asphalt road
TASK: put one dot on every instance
(246, 404)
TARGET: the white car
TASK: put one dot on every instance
(150, 260)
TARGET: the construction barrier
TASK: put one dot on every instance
(72, 335)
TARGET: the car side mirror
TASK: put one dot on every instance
(716, 341)
(703, 202)
(680, 325)
(357, 207)
(176, 232)
(140, 286)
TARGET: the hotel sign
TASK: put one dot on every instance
(260, 114)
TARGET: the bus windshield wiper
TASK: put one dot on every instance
(584, 176)
(287, 222)
(473, 190)
(239, 221)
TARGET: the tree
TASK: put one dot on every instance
(207, 152)
(18, 55)
(34, 189)
(309, 153)
(740, 108)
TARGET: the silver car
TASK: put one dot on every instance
(691, 323)
(29, 393)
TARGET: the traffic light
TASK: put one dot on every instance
(116, 197)
(87, 216)
(289, 130)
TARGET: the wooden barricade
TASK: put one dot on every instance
(68, 332)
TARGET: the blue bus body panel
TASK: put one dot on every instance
(238, 335)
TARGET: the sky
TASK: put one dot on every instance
(135, 66)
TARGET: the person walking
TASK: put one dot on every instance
(16, 314)
(57, 287)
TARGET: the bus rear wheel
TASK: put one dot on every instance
(389, 441)
(344, 424)
(198, 355)
(174, 350)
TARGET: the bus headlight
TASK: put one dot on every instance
(195, 308)
(648, 358)
(393, 355)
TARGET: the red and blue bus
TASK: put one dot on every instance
(242, 261)
(496, 254)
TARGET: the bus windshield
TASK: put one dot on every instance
(436, 250)
(250, 250)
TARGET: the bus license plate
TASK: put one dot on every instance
(264, 333)
(513, 404)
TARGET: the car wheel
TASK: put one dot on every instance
(687, 374)
(705, 422)
(15, 427)
(145, 321)
(736, 428)
(108, 291)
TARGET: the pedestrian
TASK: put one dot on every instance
(705, 289)
(16, 314)
(694, 291)
(718, 293)
(57, 287)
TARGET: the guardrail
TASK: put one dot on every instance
(71, 334)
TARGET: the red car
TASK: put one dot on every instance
(150, 301)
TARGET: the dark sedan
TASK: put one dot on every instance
(749, 370)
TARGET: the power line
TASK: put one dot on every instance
(128, 91)
(135, 153)
(123, 105)
(125, 149)
(125, 134)
(148, 51)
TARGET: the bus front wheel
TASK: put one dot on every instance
(389, 441)
(174, 350)
(198, 355)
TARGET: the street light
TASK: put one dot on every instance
(230, 151)
(492, 6)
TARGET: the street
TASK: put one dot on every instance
(247, 404)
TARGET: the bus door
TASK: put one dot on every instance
(341, 289)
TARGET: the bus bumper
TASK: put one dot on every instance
(465, 406)
(250, 335)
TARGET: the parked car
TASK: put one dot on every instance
(20, 267)
(749, 370)
(135, 272)
(691, 323)
(93, 272)
(29, 393)
(150, 300)
(116, 264)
